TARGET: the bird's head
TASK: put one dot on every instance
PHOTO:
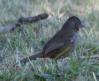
(75, 23)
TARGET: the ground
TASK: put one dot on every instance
(31, 38)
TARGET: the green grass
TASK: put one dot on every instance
(31, 38)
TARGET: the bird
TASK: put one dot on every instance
(62, 43)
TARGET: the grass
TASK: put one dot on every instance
(31, 38)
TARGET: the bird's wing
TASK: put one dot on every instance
(58, 41)
(56, 44)
(52, 46)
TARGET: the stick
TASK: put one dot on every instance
(23, 20)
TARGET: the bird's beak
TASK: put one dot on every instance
(82, 25)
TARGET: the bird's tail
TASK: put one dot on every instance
(32, 57)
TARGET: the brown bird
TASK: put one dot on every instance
(62, 43)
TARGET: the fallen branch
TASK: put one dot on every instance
(22, 20)
(26, 20)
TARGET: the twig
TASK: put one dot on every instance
(23, 20)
